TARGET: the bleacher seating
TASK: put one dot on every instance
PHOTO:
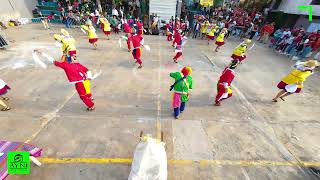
(46, 8)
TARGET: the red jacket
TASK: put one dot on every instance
(127, 28)
(227, 76)
(136, 40)
(268, 29)
(177, 39)
(140, 25)
(74, 71)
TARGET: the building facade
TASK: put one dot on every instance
(293, 16)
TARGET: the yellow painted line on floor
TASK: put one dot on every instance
(85, 160)
(178, 162)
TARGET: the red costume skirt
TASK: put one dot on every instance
(93, 40)
(282, 85)
(73, 53)
(210, 37)
(219, 43)
(4, 90)
(107, 33)
(239, 58)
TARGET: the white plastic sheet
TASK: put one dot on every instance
(149, 161)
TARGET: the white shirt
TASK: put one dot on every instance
(286, 33)
(115, 12)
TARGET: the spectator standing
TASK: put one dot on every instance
(115, 12)
(266, 32)
(196, 30)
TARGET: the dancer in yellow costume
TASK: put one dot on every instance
(67, 45)
(293, 82)
(239, 52)
(203, 29)
(220, 39)
(105, 26)
(93, 38)
(211, 33)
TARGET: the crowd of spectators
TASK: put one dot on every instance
(293, 42)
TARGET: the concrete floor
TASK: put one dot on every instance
(248, 127)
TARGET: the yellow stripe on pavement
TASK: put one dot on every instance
(178, 162)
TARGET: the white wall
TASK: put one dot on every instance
(163, 8)
(290, 7)
(304, 21)
(16, 8)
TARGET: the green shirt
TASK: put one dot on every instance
(182, 87)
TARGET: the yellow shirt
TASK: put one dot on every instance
(68, 44)
(220, 38)
(106, 26)
(91, 31)
(203, 28)
(212, 31)
(297, 77)
(239, 51)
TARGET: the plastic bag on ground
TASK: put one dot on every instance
(149, 161)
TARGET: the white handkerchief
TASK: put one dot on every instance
(147, 47)
(291, 88)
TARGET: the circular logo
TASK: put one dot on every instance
(18, 158)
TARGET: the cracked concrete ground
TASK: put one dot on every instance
(247, 127)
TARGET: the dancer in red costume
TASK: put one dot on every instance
(80, 76)
(140, 27)
(224, 90)
(137, 42)
(169, 30)
(127, 30)
(178, 43)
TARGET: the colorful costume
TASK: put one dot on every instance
(169, 32)
(239, 52)
(220, 39)
(204, 27)
(140, 28)
(183, 83)
(105, 26)
(4, 88)
(293, 82)
(127, 30)
(77, 74)
(295, 78)
(178, 45)
(93, 38)
(224, 90)
(68, 45)
(137, 41)
(211, 33)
